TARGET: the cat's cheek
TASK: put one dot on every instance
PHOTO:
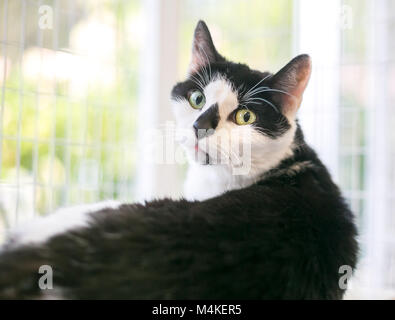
(184, 114)
(186, 139)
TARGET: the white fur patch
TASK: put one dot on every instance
(206, 181)
(40, 229)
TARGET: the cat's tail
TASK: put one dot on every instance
(21, 272)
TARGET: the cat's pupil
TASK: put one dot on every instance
(246, 117)
(199, 99)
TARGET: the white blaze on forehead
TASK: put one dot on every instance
(220, 91)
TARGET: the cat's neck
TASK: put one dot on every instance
(207, 181)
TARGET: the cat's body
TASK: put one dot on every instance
(289, 244)
(279, 230)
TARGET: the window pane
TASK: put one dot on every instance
(70, 95)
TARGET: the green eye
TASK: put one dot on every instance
(244, 117)
(197, 99)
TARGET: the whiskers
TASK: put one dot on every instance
(203, 76)
(228, 150)
(250, 97)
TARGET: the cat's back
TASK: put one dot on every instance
(306, 230)
(284, 237)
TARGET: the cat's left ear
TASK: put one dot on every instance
(203, 49)
(291, 81)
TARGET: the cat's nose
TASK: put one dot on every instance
(205, 125)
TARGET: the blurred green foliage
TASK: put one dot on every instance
(52, 135)
(51, 138)
(56, 139)
(255, 32)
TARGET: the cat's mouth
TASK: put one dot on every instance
(205, 159)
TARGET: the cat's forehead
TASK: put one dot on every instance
(234, 78)
(221, 89)
(240, 76)
(222, 92)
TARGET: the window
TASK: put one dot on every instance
(68, 93)
(366, 146)
(255, 32)
(347, 117)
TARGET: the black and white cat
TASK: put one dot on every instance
(278, 230)
(227, 92)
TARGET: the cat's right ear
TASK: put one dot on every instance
(291, 82)
(203, 49)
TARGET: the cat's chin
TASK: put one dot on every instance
(197, 155)
(202, 158)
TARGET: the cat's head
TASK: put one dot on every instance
(222, 106)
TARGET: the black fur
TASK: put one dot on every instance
(282, 238)
(207, 122)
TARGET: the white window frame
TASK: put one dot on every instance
(378, 188)
(159, 70)
(317, 33)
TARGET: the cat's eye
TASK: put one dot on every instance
(197, 100)
(244, 117)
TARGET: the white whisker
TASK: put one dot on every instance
(208, 62)
(264, 100)
(207, 77)
(197, 82)
(278, 90)
(263, 79)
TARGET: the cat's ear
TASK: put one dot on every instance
(291, 81)
(203, 49)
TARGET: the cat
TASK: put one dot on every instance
(279, 230)
(229, 89)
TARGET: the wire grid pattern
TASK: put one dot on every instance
(362, 139)
(367, 148)
(59, 146)
(76, 167)
(265, 26)
(364, 79)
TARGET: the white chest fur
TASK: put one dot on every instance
(207, 181)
